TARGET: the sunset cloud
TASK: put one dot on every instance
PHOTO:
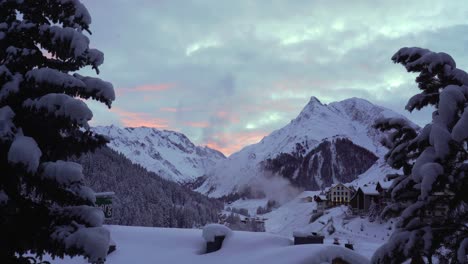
(197, 124)
(229, 77)
(147, 88)
(138, 119)
(232, 142)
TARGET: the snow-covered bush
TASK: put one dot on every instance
(44, 205)
(331, 228)
(430, 196)
(211, 231)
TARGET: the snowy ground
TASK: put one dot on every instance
(295, 216)
(167, 245)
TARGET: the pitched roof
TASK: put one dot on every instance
(385, 184)
(369, 189)
(339, 184)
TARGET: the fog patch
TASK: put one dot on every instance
(273, 187)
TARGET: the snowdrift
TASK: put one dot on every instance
(164, 245)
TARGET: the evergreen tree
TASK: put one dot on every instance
(429, 197)
(44, 205)
(142, 198)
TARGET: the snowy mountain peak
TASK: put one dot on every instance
(351, 119)
(168, 153)
(314, 100)
(312, 106)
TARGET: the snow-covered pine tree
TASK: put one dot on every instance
(44, 205)
(430, 196)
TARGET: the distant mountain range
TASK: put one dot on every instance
(169, 154)
(324, 144)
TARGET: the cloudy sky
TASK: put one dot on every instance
(227, 73)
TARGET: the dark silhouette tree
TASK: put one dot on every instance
(44, 205)
(429, 196)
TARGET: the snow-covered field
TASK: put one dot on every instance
(295, 216)
(142, 245)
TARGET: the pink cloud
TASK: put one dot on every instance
(201, 124)
(229, 143)
(175, 110)
(154, 87)
(147, 88)
(168, 109)
(228, 116)
(137, 119)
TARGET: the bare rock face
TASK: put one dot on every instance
(331, 161)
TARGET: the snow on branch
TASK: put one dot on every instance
(450, 99)
(440, 138)
(460, 130)
(420, 100)
(64, 106)
(48, 76)
(80, 16)
(63, 172)
(430, 171)
(24, 151)
(83, 192)
(75, 84)
(7, 128)
(94, 241)
(89, 215)
(99, 89)
(67, 42)
(415, 59)
(427, 156)
(11, 87)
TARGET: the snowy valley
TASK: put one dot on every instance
(324, 145)
(305, 182)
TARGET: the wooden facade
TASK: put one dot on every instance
(363, 198)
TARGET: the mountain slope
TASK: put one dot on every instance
(350, 119)
(169, 154)
(333, 160)
(142, 198)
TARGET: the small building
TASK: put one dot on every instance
(364, 197)
(307, 199)
(322, 202)
(339, 194)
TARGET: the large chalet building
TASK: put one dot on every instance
(339, 194)
(359, 199)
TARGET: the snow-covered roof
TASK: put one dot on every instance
(385, 184)
(369, 189)
(339, 184)
(104, 194)
(323, 197)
